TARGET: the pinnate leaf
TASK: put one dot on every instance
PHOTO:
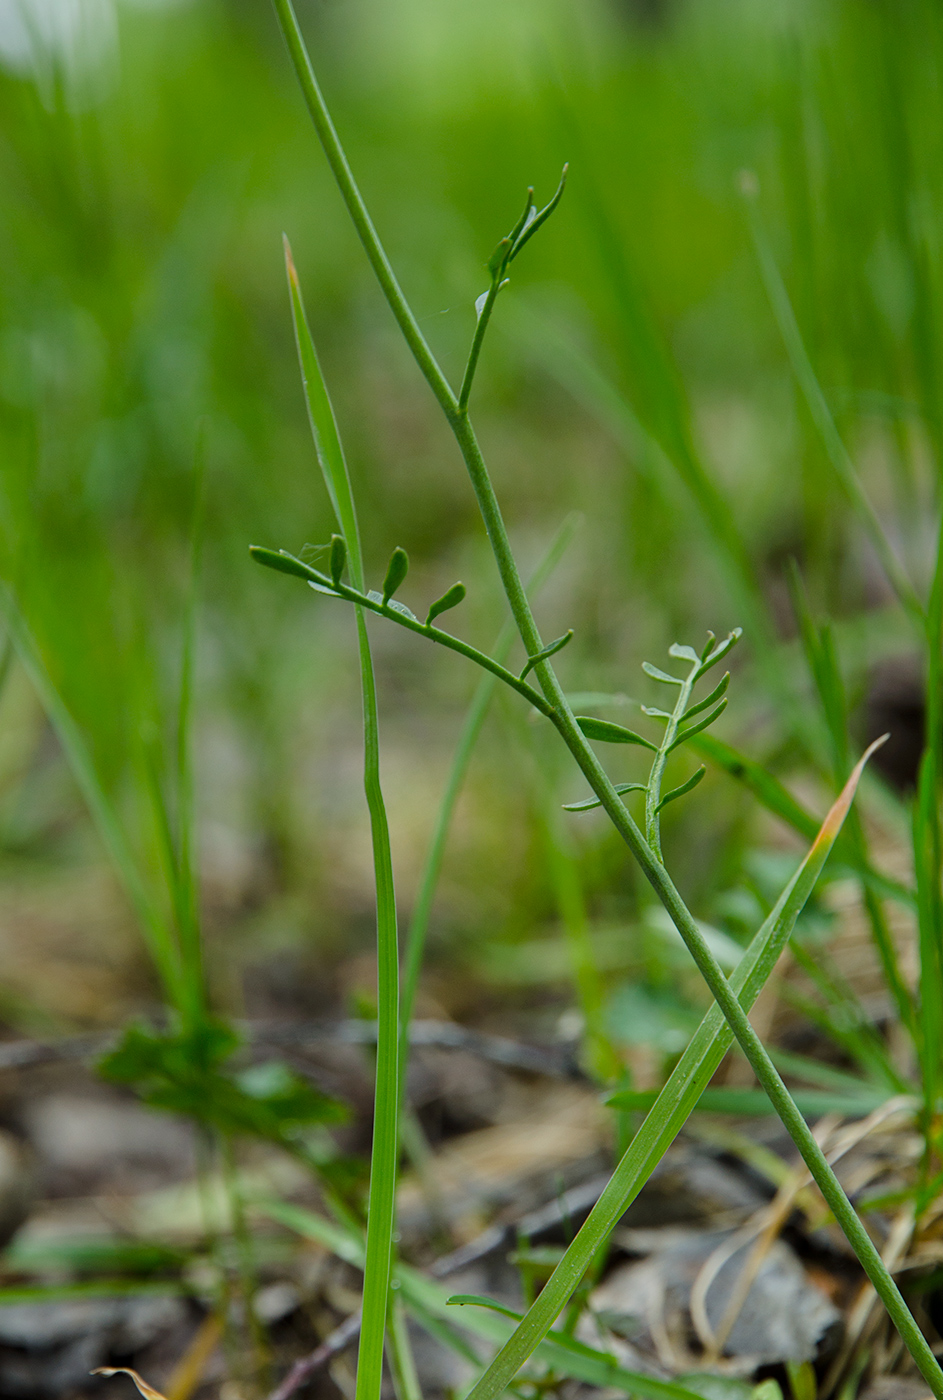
(708, 719)
(592, 802)
(720, 651)
(606, 732)
(684, 788)
(711, 699)
(450, 599)
(550, 650)
(657, 675)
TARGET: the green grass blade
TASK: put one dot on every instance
(385, 1151)
(822, 1075)
(753, 1103)
(158, 937)
(928, 850)
(324, 428)
(821, 414)
(771, 794)
(674, 1105)
(818, 644)
(186, 896)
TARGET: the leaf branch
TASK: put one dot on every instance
(286, 563)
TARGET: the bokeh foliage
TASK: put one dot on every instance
(149, 163)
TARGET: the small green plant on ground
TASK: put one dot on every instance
(729, 1019)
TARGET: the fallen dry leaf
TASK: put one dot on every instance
(146, 1390)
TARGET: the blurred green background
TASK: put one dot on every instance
(151, 156)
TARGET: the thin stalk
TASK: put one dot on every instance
(337, 160)
(384, 1157)
(497, 1376)
(402, 1362)
(288, 564)
(653, 791)
(928, 857)
(478, 339)
(191, 944)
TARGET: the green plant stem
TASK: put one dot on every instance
(402, 1362)
(928, 857)
(412, 624)
(585, 757)
(385, 1151)
(337, 160)
(478, 339)
(653, 790)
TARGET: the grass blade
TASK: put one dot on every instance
(928, 849)
(818, 644)
(835, 449)
(160, 942)
(778, 800)
(753, 1103)
(385, 1151)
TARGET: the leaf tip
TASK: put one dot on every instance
(289, 262)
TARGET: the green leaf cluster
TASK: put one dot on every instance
(188, 1072)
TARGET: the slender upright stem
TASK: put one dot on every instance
(337, 160)
(653, 791)
(478, 339)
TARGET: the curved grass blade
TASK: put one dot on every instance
(674, 1104)
(753, 1103)
(778, 800)
(157, 935)
(835, 449)
(385, 1151)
